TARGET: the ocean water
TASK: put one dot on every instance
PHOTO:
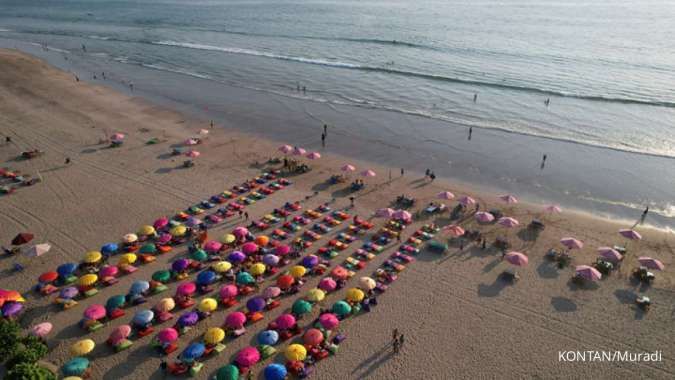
(607, 67)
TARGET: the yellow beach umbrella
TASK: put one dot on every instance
(207, 305)
(178, 231)
(72, 378)
(130, 238)
(257, 269)
(355, 295)
(92, 257)
(228, 239)
(298, 271)
(214, 335)
(147, 230)
(88, 280)
(316, 295)
(296, 352)
(82, 347)
(222, 266)
(128, 258)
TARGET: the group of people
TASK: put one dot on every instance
(397, 340)
(429, 174)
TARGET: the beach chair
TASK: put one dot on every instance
(206, 205)
(331, 221)
(313, 214)
(341, 215)
(123, 345)
(321, 228)
(279, 234)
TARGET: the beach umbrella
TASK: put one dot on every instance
(206, 277)
(165, 305)
(75, 367)
(271, 292)
(147, 230)
(178, 231)
(268, 337)
(484, 217)
(22, 238)
(282, 250)
(193, 351)
(329, 321)
(236, 257)
(327, 284)
(87, 280)
(630, 234)
(130, 238)
(445, 195)
(384, 213)
(270, 259)
(41, 329)
(115, 302)
(180, 265)
(651, 263)
(11, 309)
(109, 248)
(297, 271)
(257, 269)
(228, 372)
(341, 308)
(296, 352)
(262, 240)
(508, 222)
(348, 168)
(161, 223)
(588, 273)
(552, 209)
(193, 222)
(164, 238)
(285, 321)
(402, 215)
(68, 292)
(222, 266)
(82, 347)
(162, 276)
(148, 248)
(310, 261)
(240, 232)
(167, 335)
(92, 257)
(207, 305)
(186, 289)
(467, 201)
(72, 378)
(10, 296)
(189, 318)
(108, 271)
(245, 278)
(516, 258)
(367, 283)
(119, 334)
(508, 198)
(610, 254)
(285, 281)
(313, 155)
(199, 255)
(355, 295)
(38, 250)
(203, 132)
(213, 246)
(127, 259)
(256, 304)
(454, 230)
(368, 173)
(316, 295)
(228, 291)
(67, 269)
(143, 317)
(285, 149)
(139, 287)
(248, 356)
(299, 151)
(214, 335)
(117, 137)
(193, 154)
(190, 142)
(301, 307)
(312, 337)
(249, 248)
(572, 243)
(228, 239)
(275, 371)
(235, 320)
(48, 277)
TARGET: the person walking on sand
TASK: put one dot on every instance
(426, 173)
(432, 176)
(351, 201)
(402, 172)
(470, 132)
(325, 129)
(246, 215)
(644, 215)
(401, 340)
(211, 124)
(396, 344)
(323, 140)
(394, 335)
(131, 86)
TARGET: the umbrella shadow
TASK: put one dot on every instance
(563, 304)
(163, 170)
(586, 285)
(342, 192)
(491, 265)
(89, 150)
(72, 331)
(165, 156)
(625, 296)
(492, 290)
(133, 360)
(374, 361)
(321, 186)
(28, 318)
(528, 234)
(548, 270)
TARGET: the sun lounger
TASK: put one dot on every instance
(322, 228)
(123, 345)
(301, 220)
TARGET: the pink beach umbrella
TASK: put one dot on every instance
(329, 321)
(108, 271)
(248, 356)
(193, 154)
(484, 217)
(630, 234)
(164, 238)
(240, 232)
(161, 223)
(445, 195)
(285, 321)
(553, 209)
(508, 222)
(117, 137)
(572, 243)
(509, 199)
(610, 254)
(299, 151)
(516, 258)
(212, 246)
(167, 335)
(95, 312)
(314, 156)
(271, 292)
(454, 230)
(282, 250)
(249, 248)
(327, 284)
(41, 330)
(190, 142)
(235, 320)
(384, 213)
(368, 173)
(348, 168)
(285, 149)
(228, 291)
(588, 273)
(119, 334)
(651, 263)
(186, 289)
(402, 215)
(467, 201)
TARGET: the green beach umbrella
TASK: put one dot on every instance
(301, 307)
(228, 372)
(199, 255)
(148, 248)
(115, 302)
(341, 308)
(75, 367)
(161, 276)
(245, 278)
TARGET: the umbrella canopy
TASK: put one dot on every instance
(312, 337)
(384, 213)
(193, 222)
(206, 277)
(193, 351)
(355, 295)
(341, 308)
(296, 352)
(257, 269)
(199, 255)
(297, 271)
(214, 335)
(588, 273)
(516, 258)
(282, 250)
(161, 223)
(228, 239)
(147, 230)
(610, 254)
(228, 291)
(235, 320)
(92, 257)
(327, 284)
(82, 347)
(285, 149)
(240, 232)
(313, 155)
(207, 305)
(167, 335)
(285, 281)
(367, 283)
(48, 277)
(316, 295)
(143, 317)
(117, 137)
(22, 238)
(109, 248)
(108, 271)
(180, 265)
(69, 292)
(508, 198)
(188, 319)
(193, 154)
(508, 222)
(329, 321)
(310, 261)
(41, 329)
(139, 287)
(128, 259)
(236, 257)
(88, 280)
(268, 337)
(262, 240)
(484, 217)
(467, 201)
(115, 302)
(178, 231)
(186, 289)
(249, 248)
(164, 238)
(630, 234)
(119, 334)
(248, 356)
(454, 230)
(161, 276)
(651, 263)
(552, 209)
(67, 269)
(445, 195)
(212, 246)
(10, 296)
(301, 307)
(271, 292)
(148, 248)
(368, 173)
(11, 309)
(75, 367)
(275, 371)
(228, 372)
(222, 266)
(299, 151)
(130, 238)
(348, 168)
(245, 278)
(271, 260)
(572, 243)
(402, 215)
(285, 321)
(165, 305)
(256, 304)
(38, 250)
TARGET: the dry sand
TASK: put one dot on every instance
(458, 319)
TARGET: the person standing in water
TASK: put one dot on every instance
(543, 161)
(131, 86)
(470, 132)
(325, 129)
(304, 89)
(475, 97)
(84, 48)
(547, 102)
(323, 140)
(644, 215)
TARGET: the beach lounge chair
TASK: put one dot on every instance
(327, 252)
(644, 303)
(642, 274)
(321, 228)
(313, 214)
(510, 275)
(341, 215)
(536, 225)
(331, 221)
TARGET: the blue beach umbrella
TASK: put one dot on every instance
(139, 287)
(245, 278)
(256, 304)
(69, 292)
(75, 367)
(193, 351)
(143, 317)
(109, 248)
(206, 277)
(268, 337)
(275, 371)
(65, 270)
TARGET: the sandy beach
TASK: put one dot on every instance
(459, 319)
